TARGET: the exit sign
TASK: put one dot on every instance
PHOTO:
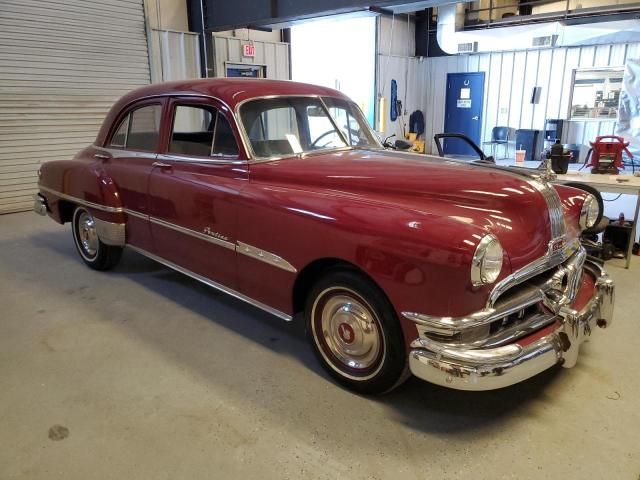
(249, 50)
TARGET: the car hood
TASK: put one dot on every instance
(493, 200)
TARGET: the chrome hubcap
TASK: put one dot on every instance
(87, 235)
(350, 332)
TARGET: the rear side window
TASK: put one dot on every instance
(201, 131)
(120, 137)
(139, 130)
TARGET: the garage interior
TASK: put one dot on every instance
(142, 372)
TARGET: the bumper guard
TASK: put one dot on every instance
(39, 205)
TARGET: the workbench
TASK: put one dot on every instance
(623, 183)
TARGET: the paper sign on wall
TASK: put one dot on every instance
(464, 103)
(465, 93)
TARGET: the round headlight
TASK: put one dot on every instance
(487, 261)
(589, 213)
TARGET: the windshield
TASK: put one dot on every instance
(283, 126)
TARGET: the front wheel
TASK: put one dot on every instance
(92, 250)
(355, 333)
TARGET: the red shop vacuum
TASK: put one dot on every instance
(606, 155)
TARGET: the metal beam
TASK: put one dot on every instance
(225, 15)
(196, 19)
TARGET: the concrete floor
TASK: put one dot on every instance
(153, 375)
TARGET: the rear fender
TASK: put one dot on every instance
(80, 182)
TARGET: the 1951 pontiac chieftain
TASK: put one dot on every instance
(467, 275)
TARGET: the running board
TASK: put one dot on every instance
(213, 284)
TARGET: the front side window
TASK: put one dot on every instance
(203, 131)
(287, 126)
(276, 127)
(139, 130)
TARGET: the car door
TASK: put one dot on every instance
(128, 160)
(193, 190)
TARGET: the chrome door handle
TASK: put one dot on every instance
(474, 118)
(101, 156)
(161, 165)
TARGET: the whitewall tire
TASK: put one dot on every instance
(92, 250)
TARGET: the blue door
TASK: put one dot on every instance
(463, 111)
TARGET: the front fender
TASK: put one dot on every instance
(420, 257)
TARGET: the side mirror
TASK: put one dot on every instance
(402, 145)
(386, 143)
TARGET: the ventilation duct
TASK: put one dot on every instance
(548, 41)
(521, 37)
(470, 47)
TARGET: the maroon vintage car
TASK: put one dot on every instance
(467, 275)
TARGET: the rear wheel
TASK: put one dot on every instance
(355, 333)
(93, 252)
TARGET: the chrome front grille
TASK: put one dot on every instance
(536, 296)
(554, 206)
(561, 281)
(528, 302)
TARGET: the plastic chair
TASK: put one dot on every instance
(499, 136)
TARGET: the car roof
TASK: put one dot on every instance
(231, 91)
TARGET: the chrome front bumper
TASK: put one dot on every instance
(490, 368)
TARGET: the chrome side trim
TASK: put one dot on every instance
(82, 202)
(110, 233)
(264, 256)
(121, 152)
(193, 233)
(216, 285)
(221, 160)
(133, 213)
(241, 247)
